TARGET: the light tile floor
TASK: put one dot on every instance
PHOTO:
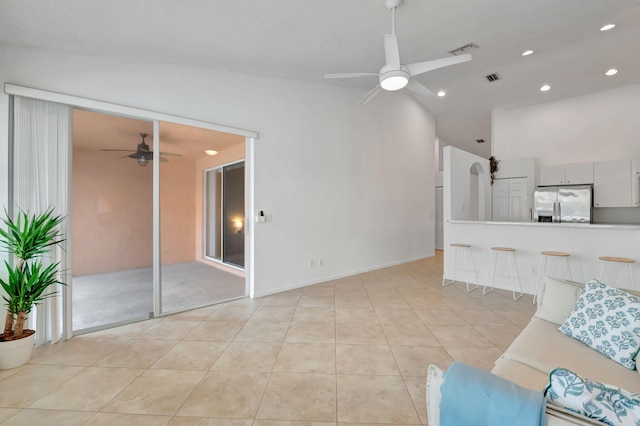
(354, 350)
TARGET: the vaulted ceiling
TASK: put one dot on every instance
(304, 39)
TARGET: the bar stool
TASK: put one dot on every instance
(609, 259)
(492, 270)
(466, 251)
(543, 267)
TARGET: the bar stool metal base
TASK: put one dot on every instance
(466, 249)
(543, 268)
(492, 272)
(610, 259)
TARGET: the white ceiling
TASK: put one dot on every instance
(303, 39)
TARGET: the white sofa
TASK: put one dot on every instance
(541, 347)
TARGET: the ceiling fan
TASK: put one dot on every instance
(142, 154)
(394, 75)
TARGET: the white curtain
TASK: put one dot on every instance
(41, 159)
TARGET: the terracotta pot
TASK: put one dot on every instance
(14, 353)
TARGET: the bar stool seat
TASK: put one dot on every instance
(466, 252)
(492, 271)
(614, 259)
(543, 267)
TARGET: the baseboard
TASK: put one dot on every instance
(339, 276)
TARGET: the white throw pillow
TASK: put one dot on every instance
(608, 320)
(434, 381)
(606, 403)
(557, 299)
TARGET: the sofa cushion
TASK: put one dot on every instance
(608, 320)
(557, 299)
(605, 403)
(542, 347)
(521, 374)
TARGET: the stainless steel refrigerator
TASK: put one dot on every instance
(572, 204)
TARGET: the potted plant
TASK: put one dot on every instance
(27, 239)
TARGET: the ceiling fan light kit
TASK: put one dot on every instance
(394, 75)
(394, 80)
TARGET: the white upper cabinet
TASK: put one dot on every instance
(569, 174)
(552, 175)
(615, 183)
(579, 174)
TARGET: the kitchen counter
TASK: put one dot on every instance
(585, 243)
(628, 226)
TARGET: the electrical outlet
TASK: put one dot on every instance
(321, 262)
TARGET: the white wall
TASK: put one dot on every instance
(351, 184)
(596, 127)
(456, 176)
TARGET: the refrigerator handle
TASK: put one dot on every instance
(553, 218)
(559, 212)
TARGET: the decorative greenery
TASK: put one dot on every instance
(493, 167)
(28, 238)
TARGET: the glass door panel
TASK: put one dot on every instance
(233, 214)
(112, 227)
(191, 247)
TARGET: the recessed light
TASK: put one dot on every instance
(545, 88)
(611, 72)
(607, 27)
(210, 151)
(527, 52)
(442, 93)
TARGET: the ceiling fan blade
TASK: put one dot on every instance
(170, 154)
(418, 88)
(370, 95)
(391, 51)
(119, 150)
(349, 75)
(422, 67)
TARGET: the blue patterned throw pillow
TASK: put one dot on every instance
(608, 320)
(605, 403)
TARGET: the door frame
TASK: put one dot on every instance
(156, 117)
(204, 215)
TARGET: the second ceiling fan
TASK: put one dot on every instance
(395, 75)
(142, 153)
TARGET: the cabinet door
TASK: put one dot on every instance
(579, 174)
(501, 200)
(612, 184)
(552, 175)
(518, 200)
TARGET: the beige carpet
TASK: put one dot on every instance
(125, 296)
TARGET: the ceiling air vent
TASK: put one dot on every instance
(493, 77)
(480, 140)
(464, 49)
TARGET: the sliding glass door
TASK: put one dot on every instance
(112, 226)
(224, 214)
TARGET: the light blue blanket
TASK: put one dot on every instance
(474, 397)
